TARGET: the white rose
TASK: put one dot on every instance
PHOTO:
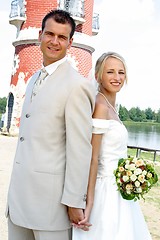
(141, 178)
(144, 172)
(127, 166)
(138, 171)
(133, 177)
(139, 162)
(132, 166)
(149, 175)
(125, 178)
(139, 189)
(137, 184)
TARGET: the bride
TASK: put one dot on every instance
(111, 217)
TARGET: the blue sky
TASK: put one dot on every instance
(129, 27)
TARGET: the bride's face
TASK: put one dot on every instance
(113, 75)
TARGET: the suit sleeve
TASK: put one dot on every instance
(78, 119)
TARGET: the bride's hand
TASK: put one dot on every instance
(84, 224)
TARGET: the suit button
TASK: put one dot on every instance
(21, 139)
(85, 197)
(27, 115)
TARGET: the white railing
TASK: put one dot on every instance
(95, 21)
(74, 7)
(17, 9)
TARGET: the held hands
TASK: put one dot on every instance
(79, 218)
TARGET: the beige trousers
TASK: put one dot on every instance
(20, 233)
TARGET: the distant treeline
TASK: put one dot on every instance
(137, 115)
(134, 114)
(3, 102)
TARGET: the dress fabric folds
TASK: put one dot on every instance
(112, 217)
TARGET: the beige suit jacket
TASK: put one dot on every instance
(52, 160)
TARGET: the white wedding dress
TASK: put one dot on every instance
(112, 217)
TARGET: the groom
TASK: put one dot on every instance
(52, 161)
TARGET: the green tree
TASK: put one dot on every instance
(3, 103)
(132, 114)
(142, 116)
(123, 113)
(150, 115)
(137, 115)
(158, 116)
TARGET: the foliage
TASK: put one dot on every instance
(150, 115)
(158, 116)
(135, 114)
(3, 103)
(123, 113)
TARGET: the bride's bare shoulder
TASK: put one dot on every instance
(101, 109)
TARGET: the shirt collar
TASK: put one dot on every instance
(53, 66)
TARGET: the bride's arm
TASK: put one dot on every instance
(96, 145)
(96, 142)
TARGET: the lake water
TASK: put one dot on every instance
(143, 135)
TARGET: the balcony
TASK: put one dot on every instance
(17, 14)
(75, 8)
(95, 24)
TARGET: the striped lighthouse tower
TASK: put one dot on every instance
(27, 16)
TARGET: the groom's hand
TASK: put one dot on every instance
(78, 219)
(75, 214)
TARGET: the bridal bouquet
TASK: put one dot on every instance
(134, 177)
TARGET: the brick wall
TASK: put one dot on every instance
(84, 59)
(30, 61)
(35, 11)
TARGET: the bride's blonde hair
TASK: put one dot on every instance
(101, 62)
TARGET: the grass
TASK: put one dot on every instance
(140, 123)
(144, 155)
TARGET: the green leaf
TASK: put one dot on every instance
(120, 161)
(127, 196)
